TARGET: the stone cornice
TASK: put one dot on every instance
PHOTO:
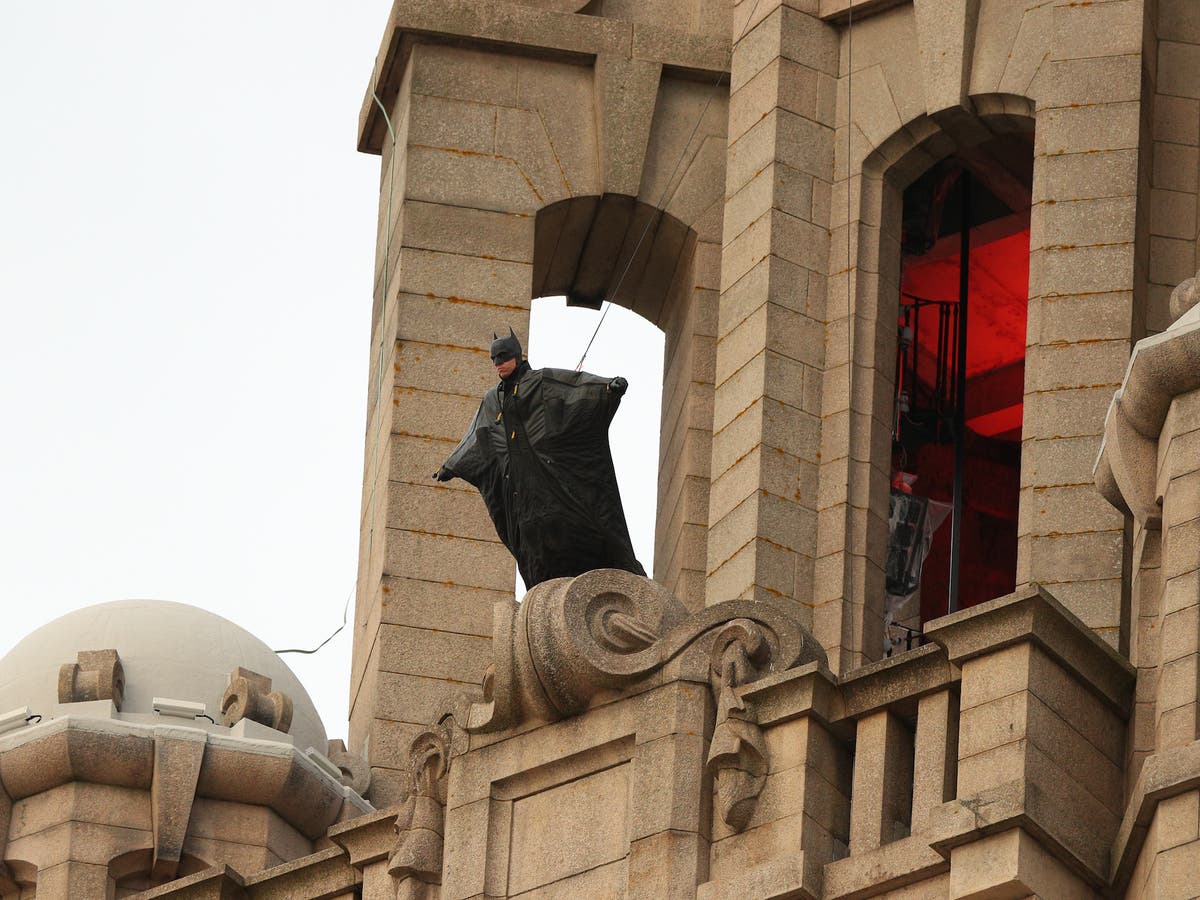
(525, 29)
(108, 751)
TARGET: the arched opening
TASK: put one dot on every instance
(624, 344)
(660, 280)
(959, 384)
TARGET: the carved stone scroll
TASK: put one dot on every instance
(96, 675)
(572, 639)
(416, 863)
(249, 696)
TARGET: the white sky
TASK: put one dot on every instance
(186, 240)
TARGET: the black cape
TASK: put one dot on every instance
(538, 453)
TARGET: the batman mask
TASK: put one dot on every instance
(505, 348)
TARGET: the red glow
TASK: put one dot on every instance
(997, 309)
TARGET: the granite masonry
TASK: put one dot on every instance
(748, 177)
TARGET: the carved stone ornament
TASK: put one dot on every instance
(249, 696)
(1161, 368)
(737, 754)
(96, 675)
(416, 862)
(356, 773)
(573, 639)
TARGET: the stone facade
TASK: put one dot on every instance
(736, 172)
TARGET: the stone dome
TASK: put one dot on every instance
(167, 650)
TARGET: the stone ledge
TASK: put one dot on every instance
(897, 682)
(808, 690)
(219, 883)
(839, 11)
(1033, 614)
(368, 838)
(889, 867)
(782, 877)
(1163, 775)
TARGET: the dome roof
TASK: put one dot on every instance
(167, 650)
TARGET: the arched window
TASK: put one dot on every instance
(959, 388)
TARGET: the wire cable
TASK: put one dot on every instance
(387, 257)
(666, 198)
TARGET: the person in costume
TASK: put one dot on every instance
(538, 452)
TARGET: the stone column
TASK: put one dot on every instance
(1086, 225)
(770, 331)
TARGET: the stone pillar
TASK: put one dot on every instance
(459, 249)
(883, 778)
(1084, 283)
(770, 333)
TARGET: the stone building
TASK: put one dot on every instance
(910, 257)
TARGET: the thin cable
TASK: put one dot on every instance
(665, 198)
(387, 257)
(345, 617)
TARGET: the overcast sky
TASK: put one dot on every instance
(186, 239)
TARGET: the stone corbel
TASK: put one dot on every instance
(416, 863)
(178, 754)
(249, 696)
(96, 675)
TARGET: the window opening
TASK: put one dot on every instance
(959, 386)
(630, 346)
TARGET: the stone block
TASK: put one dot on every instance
(1067, 413)
(547, 845)
(1176, 820)
(1176, 167)
(438, 558)
(1173, 215)
(462, 74)
(672, 790)
(1011, 864)
(667, 864)
(466, 860)
(433, 654)
(478, 278)
(433, 508)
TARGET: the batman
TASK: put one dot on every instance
(538, 453)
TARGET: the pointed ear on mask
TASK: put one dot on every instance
(511, 333)
(495, 337)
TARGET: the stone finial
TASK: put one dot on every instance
(96, 675)
(356, 774)
(249, 696)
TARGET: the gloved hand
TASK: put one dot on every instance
(618, 386)
(442, 474)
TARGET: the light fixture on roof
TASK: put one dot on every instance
(14, 719)
(179, 709)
